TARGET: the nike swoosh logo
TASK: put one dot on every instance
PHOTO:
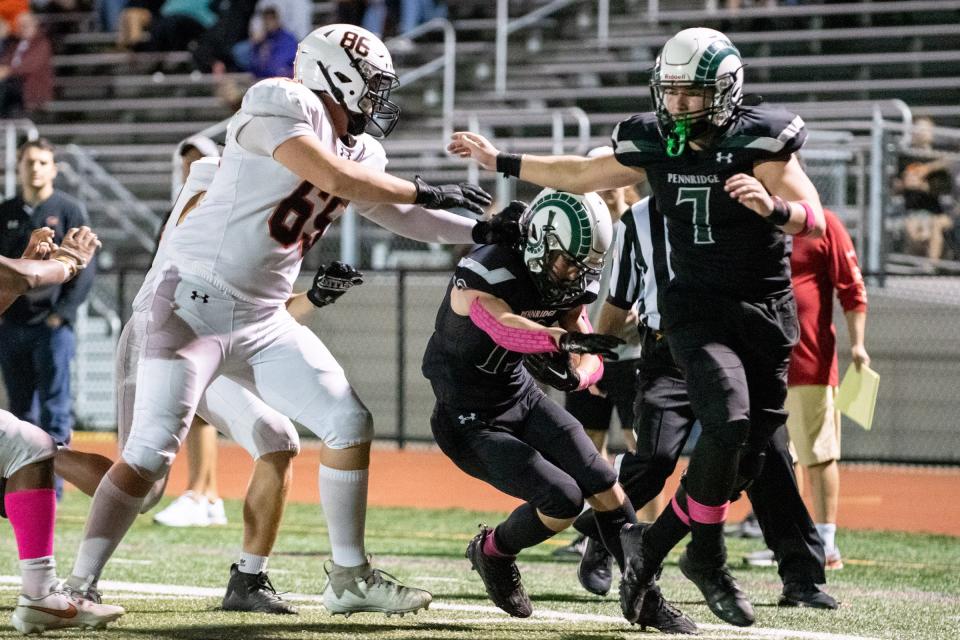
(562, 376)
(69, 612)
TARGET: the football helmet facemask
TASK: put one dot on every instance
(567, 238)
(354, 67)
(696, 59)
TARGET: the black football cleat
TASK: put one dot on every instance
(721, 592)
(500, 576)
(799, 594)
(596, 568)
(254, 593)
(659, 614)
(638, 574)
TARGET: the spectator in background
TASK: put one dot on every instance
(10, 10)
(820, 267)
(26, 70)
(411, 14)
(271, 49)
(36, 333)
(136, 16)
(925, 185)
(296, 16)
(181, 23)
(350, 11)
(214, 48)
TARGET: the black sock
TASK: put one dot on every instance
(522, 529)
(667, 531)
(609, 524)
(586, 524)
(707, 547)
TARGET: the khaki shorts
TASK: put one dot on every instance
(813, 423)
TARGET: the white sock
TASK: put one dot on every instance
(39, 576)
(111, 514)
(828, 533)
(343, 495)
(253, 564)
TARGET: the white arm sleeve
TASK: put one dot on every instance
(414, 222)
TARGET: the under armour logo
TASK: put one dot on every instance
(725, 157)
(464, 419)
(194, 295)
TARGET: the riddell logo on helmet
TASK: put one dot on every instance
(675, 76)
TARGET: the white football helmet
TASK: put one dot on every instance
(577, 227)
(354, 67)
(697, 58)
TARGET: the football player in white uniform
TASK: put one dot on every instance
(295, 154)
(27, 452)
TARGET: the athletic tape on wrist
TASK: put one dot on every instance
(511, 338)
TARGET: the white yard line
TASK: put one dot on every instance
(146, 589)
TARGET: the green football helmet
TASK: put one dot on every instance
(571, 227)
(697, 58)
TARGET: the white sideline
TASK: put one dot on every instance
(144, 588)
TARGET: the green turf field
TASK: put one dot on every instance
(894, 586)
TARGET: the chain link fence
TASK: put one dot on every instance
(379, 331)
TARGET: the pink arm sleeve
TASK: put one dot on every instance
(510, 338)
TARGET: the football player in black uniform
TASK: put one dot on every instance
(508, 313)
(731, 189)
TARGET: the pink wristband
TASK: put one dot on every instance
(592, 378)
(811, 220)
(511, 338)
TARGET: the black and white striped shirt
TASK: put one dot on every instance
(641, 261)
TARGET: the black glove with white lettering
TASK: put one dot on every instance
(553, 369)
(332, 282)
(451, 196)
(503, 228)
(597, 343)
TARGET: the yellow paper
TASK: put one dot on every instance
(857, 396)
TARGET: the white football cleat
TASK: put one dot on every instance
(216, 514)
(353, 589)
(185, 511)
(58, 610)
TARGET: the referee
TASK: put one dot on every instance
(36, 333)
(664, 420)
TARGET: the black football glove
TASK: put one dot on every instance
(332, 282)
(596, 343)
(553, 369)
(451, 196)
(503, 228)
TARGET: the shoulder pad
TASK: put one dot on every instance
(490, 268)
(768, 128)
(636, 140)
(284, 98)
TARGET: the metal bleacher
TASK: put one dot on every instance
(827, 62)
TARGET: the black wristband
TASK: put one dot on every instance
(509, 164)
(781, 212)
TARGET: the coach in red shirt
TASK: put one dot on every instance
(820, 267)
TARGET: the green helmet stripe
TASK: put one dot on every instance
(711, 59)
(581, 233)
